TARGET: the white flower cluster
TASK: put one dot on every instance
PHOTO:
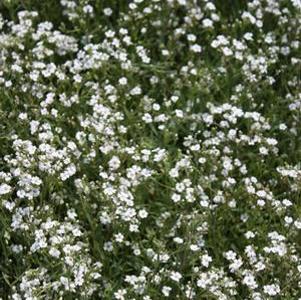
(150, 149)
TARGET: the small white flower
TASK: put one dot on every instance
(174, 173)
(4, 189)
(54, 252)
(175, 276)
(119, 295)
(227, 51)
(114, 163)
(147, 118)
(123, 81)
(271, 289)
(108, 11)
(196, 48)
(176, 197)
(206, 260)
(119, 237)
(143, 213)
(194, 248)
(136, 91)
(207, 23)
(166, 290)
(249, 280)
(263, 151)
(178, 240)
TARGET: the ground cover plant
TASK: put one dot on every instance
(150, 149)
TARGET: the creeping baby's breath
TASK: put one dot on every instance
(150, 149)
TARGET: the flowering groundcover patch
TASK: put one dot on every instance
(150, 149)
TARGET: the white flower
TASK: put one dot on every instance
(271, 289)
(206, 260)
(263, 150)
(174, 173)
(166, 290)
(119, 295)
(4, 189)
(207, 23)
(227, 51)
(191, 37)
(175, 276)
(119, 237)
(108, 11)
(297, 224)
(123, 81)
(143, 213)
(194, 247)
(136, 91)
(114, 163)
(178, 240)
(176, 197)
(249, 280)
(69, 171)
(196, 48)
(249, 235)
(54, 252)
(147, 118)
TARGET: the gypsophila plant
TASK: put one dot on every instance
(150, 149)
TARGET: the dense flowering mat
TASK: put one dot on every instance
(150, 149)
